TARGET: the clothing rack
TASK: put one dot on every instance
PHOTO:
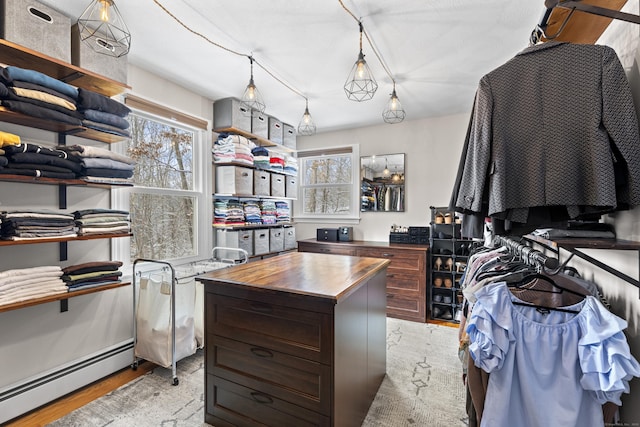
(539, 31)
(212, 264)
(526, 253)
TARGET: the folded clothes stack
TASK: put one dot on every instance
(91, 274)
(228, 212)
(28, 283)
(38, 224)
(35, 94)
(290, 164)
(260, 157)
(269, 212)
(282, 212)
(36, 160)
(233, 148)
(252, 214)
(99, 165)
(102, 221)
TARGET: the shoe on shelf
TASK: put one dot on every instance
(437, 281)
(447, 299)
(442, 235)
(446, 314)
(460, 267)
(439, 218)
(461, 250)
(448, 283)
(437, 263)
(448, 218)
(436, 312)
(437, 298)
(449, 264)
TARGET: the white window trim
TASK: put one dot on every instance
(353, 217)
(202, 159)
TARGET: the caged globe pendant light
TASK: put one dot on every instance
(360, 85)
(102, 28)
(393, 112)
(252, 98)
(306, 126)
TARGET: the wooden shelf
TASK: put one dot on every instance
(247, 226)
(62, 239)
(23, 57)
(55, 181)
(9, 116)
(245, 165)
(59, 297)
(263, 142)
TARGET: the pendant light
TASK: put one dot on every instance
(252, 98)
(393, 112)
(360, 85)
(306, 126)
(102, 28)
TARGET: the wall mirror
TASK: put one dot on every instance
(382, 183)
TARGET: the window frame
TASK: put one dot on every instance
(120, 196)
(351, 217)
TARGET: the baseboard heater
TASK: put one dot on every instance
(35, 392)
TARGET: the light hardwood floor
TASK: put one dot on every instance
(57, 409)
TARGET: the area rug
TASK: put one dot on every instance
(422, 387)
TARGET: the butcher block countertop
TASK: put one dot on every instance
(319, 275)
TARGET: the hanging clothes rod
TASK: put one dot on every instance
(526, 253)
(540, 31)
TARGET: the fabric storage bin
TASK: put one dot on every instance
(290, 241)
(288, 136)
(260, 241)
(275, 130)
(31, 24)
(276, 239)
(291, 187)
(86, 57)
(261, 183)
(277, 185)
(259, 124)
(234, 180)
(241, 239)
(230, 113)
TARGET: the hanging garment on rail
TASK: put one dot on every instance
(553, 136)
(532, 334)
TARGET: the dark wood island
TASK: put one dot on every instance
(294, 340)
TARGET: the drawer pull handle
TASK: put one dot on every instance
(387, 255)
(391, 276)
(261, 352)
(262, 308)
(389, 295)
(261, 397)
(326, 250)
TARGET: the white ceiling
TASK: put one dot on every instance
(436, 50)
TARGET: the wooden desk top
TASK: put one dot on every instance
(325, 276)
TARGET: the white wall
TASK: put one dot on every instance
(432, 148)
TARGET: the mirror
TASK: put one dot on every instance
(382, 183)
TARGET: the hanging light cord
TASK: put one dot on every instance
(235, 52)
(373, 47)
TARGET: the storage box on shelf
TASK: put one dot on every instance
(449, 254)
(84, 56)
(36, 26)
(259, 124)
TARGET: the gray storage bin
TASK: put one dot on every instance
(288, 136)
(31, 24)
(275, 130)
(259, 124)
(230, 113)
(291, 187)
(234, 180)
(290, 241)
(276, 239)
(277, 185)
(242, 239)
(85, 57)
(260, 241)
(261, 183)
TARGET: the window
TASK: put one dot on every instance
(329, 183)
(167, 204)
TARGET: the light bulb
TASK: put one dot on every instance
(251, 92)
(394, 103)
(104, 10)
(360, 69)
